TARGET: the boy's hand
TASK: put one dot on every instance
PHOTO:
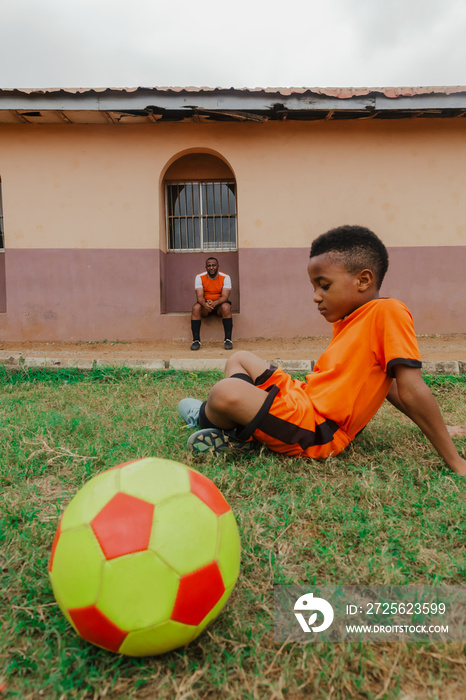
(413, 397)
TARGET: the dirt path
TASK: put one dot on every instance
(433, 348)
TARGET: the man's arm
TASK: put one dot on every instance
(208, 303)
(225, 295)
(205, 303)
(410, 395)
(226, 290)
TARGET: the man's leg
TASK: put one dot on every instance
(196, 326)
(224, 311)
(197, 314)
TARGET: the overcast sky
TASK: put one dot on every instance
(232, 43)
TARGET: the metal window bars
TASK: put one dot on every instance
(201, 216)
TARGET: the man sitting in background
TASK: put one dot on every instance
(212, 289)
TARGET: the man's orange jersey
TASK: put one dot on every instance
(320, 416)
(212, 287)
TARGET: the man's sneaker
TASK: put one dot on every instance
(228, 345)
(189, 411)
(217, 441)
(196, 345)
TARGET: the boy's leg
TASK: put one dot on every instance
(233, 402)
(231, 409)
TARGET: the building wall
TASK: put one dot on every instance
(84, 222)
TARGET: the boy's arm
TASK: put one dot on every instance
(410, 395)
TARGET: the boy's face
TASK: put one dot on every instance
(338, 292)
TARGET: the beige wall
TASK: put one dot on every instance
(405, 179)
(100, 188)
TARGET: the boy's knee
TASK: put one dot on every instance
(218, 395)
(233, 360)
(240, 357)
(224, 395)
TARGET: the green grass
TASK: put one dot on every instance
(384, 512)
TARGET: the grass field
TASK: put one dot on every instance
(385, 511)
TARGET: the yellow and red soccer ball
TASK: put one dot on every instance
(145, 556)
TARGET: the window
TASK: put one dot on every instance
(201, 216)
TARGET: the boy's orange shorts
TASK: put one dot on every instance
(288, 422)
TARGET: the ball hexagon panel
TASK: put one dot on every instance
(95, 627)
(123, 525)
(214, 612)
(77, 567)
(205, 489)
(184, 533)
(157, 640)
(198, 593)
(91, 499)
(137, 591)
(154, 480)
(229, 550)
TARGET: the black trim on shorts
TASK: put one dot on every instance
(288, 433)
(266, 374)
(291, 434)
(248, 430)
(415, 364)
(242, 375)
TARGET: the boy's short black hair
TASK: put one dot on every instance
(356, 247)
(211, 257)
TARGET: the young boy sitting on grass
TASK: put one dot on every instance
(373, 355)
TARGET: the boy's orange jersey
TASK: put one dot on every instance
(319, 417)
(352, 377)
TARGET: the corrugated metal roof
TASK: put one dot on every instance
(341, 93)
(156, 104)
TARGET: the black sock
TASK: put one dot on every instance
(196, 330)
(228, 327)
(203, 421)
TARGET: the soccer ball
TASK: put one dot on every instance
(145, 556)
